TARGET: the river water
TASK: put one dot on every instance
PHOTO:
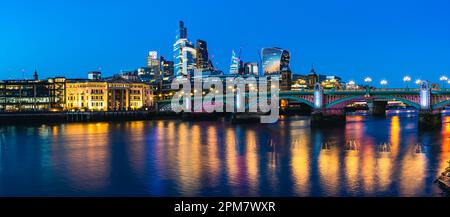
(366, 157)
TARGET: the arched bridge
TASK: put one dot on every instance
(325, 103)
(423, 98)
(339, 99)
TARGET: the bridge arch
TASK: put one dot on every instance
(348, 100)
(293, 98)
(441, 104)
(297, 99)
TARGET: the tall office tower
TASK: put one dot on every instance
(153, 63)
(234, 67)
(182, 31)
(184, 53)
(202, 57)
(276, 63)
(166, 67)
(275, 60)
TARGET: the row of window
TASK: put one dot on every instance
(135, 92)
(135, 98)
(96, 91)
(96, 97)
(73, 98)
(97, 104)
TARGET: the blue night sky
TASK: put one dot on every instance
(351, 39)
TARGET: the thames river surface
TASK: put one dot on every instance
(367, 157)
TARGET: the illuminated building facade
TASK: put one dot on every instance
(276, 63)
(234, 66)
(32, 95)
(237, 65)
(114, 94)
(153, 64)
(184, 53)
(299, 82)
(130, 75)
(275, 60)
(189, 63)
(331, 82)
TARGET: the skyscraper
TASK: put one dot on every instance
(153, 63)
(202, 58)
(182, 31)
(184, 53)
(276, 63)
(234, 67)
(275, 60)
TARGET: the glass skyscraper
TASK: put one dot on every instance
(202, 58)
(234, 67)
(275, 60)
(184, 53)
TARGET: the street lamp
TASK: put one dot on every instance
(406, 79)
(383, 83)
(368, 80)
(444, 79)
(418, 81)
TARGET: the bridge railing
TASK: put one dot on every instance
(396, 89)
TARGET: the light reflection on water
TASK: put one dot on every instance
(367, 157)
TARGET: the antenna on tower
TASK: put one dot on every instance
(240, 52)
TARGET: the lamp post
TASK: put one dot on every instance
(383, 83)
(368, 80)
(418, 81)
(406, 79)
(444, 80)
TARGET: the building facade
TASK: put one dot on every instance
(276, 63)
(251, 68)
(153, 64)
(332, 82)
(167, 69)
(275, 60)
(32, 95)
(114, 94)
(237, 65)
(202, 56)
(184, 53)
(299, 82)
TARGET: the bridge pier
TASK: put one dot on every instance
(428, 117)
(377, 108)
(326, 118)
(429, 120)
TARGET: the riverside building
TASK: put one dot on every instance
(113, 94)
(32, 94)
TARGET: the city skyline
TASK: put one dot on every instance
(405, 42)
